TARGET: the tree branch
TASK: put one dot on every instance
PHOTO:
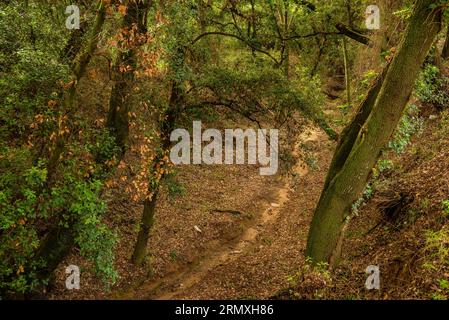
(345, 30)
(235, 37)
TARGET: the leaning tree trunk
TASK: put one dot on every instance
(79, 67)
(351, 132)
(348, 184)
(58, 241)
(119, 104)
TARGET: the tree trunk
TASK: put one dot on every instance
(146, 224)
(60, 240)
(445, 54)
(159, 163)
(347, 76)
(119, 104)
(351, 132)
(348, 184)
(286, 46)
(79, 67)
(54, 248)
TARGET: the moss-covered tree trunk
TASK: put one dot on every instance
(59, 240)
(79, 66)
(124, 69)
(351, 132)
(146, 225)
(349, 182)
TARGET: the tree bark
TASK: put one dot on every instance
(351, 132)
(354, 35)
(159, 163)
(347, 76)
(348, 184)
(146, 225)
(445, 53)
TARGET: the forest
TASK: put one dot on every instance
(224, 150)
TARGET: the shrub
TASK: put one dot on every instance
(410, 124)
(430, 87)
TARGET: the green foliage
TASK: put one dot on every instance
(309, 86)
(175, 188)
(316, 277)
(104, 149)
(25, 207)
(204, 113)
(405, 13)
(442, 293)
(445, 205)
(367, 78)
(19, 200)
(174, 255)
(439, 4)
(312, 162)
(437, 259)
(364, 85)
(431, 87)
(382, 166)
(255, 87)
(27, 89)
(409, 125)
(437, 245)
(79, 202)
(264, 65)
(32, 70)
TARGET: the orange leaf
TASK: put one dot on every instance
(122, 9)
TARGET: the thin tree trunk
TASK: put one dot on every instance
(348, 184)
(445, 54)
(347, 76)
(286, 44)
(146, 225)
(159, 164)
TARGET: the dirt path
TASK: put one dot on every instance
(185, 283)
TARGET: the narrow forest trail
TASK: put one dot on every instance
(294, 200)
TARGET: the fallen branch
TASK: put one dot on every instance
(233, 212)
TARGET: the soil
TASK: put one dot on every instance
(234, 232)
